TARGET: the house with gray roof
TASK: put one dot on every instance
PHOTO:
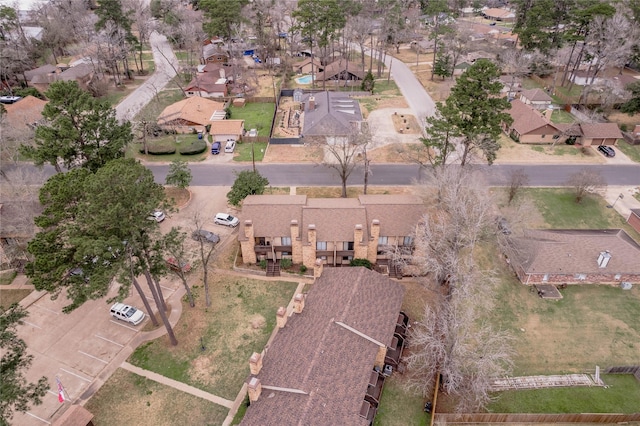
(536, 98)
(575, 256)
(321, 368)
(335, 230)
(328, 114)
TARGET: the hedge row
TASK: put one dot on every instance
(195, 147)
(168, 148)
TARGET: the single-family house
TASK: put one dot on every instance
(42, 77)
(191, 115)
(207, 85)
(511, 86)
(304, 67)
(341, 70)
(46, 69)
(460, 68)
(530, 125)
(213, 53)
(274, 227)
(16, 216)
(24, 114)
(575, 256)
(324, 364)
(536, 98)
(634, 219)
(214, 68)
(329, 114)
(594, 134)
(226, 130)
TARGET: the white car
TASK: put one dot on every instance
(230, 146)
(226, 219)
(127, 313)
(158, 216)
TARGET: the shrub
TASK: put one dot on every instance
(303, 269)
(159, 148)
(361, 262)
(195, 147)
(263, 263)
(285, 263)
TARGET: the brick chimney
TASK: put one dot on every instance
(249, 243)
(317, 268)
(255, 389)
(296, 242)
(255, 363)
(248, 229)
(281, 317)
(372, 249)
(312, 103)
(298, 303)
(357, 234)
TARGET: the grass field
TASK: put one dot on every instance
(238, 323)
(126, 396)
(631, 151)
(255, 115)
(243, 151)
(9, 297)
(133, 150)
(399, 408)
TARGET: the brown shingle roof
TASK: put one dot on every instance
(525, 118)
(337, 67)
(576, 251)
(272, 214)
(227, 127)
(388, 209)
(536, 95)
(45, 69)
(601, 130)
(335, 219)
(207, 82)
(195, 109)
(24, 112)
(328, 362)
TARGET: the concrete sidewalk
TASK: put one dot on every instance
(622, 199)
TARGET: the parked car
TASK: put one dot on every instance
(503, 225)
(206, 236)
(230, 146)
(215, 148)
(607, 151)
(226, 219)
(127, 313)
(157, 215)
(178, 266)
(9, 99)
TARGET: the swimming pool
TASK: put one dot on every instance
(306, 79)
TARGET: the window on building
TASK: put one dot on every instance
(347, 258)
(407, 241)
(286, 241)
(542, 136)
(261, 241)
(383, 241)
(348, 245)
(321, 245)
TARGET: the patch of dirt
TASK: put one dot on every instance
(352, 191)
(622, 118)
(405, 123)
(293, 154)
(512, 152)
(177, 196)
(257, 322)
(393, 102)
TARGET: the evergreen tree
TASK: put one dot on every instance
(247, 183)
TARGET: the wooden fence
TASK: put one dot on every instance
(626, 369)
(521, 418)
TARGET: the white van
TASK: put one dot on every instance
(230, 146)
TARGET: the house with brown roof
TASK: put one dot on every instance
(530, 125)
(536, 98)
(321, 368)
(305, 66)
(191, 114)
(213, 53)
(46, 70)
(24, 114)
(594, 134)
(42, 77)
(341, 70)
(226, 130)
(576, 256)
(207, 85)
(335, 230)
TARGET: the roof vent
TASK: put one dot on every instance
(604, 258)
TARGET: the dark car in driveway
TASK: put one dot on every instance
(215, 148)
(206, 236)
(607, 151)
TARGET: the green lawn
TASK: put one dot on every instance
(398, 407)
(255, 115)
(243, 151)
(622, 395)
(238, 323)
(126, 395)
(631, 151)
(560, 210)
(562, 116)
(382, 86)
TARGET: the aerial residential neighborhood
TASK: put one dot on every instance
(322, 212)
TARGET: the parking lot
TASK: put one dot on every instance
(77, 347)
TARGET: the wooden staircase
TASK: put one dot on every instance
(395, 271)
(273, 269)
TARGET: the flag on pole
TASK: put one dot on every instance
(61, 396)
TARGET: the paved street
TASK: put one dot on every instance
(162, 51)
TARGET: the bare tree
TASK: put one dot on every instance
(517, 179)
(206, 250)
(343, 152)
(453, 339)
(174, 246)
(585, 182)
